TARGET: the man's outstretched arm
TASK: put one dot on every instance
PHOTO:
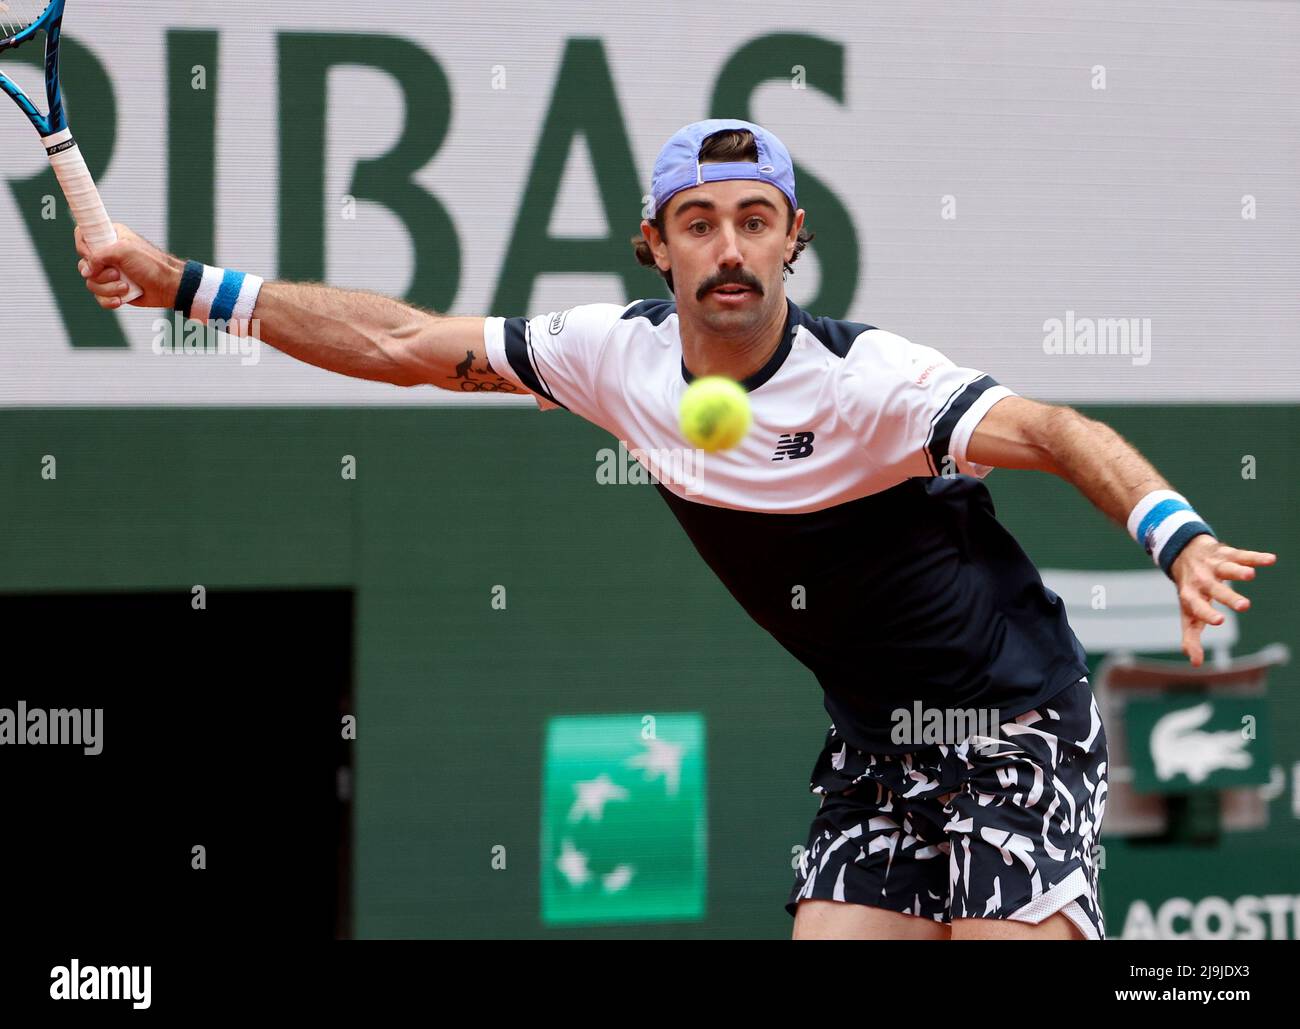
(1109, 471)
(352, 332)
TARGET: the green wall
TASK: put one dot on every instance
(608, 610)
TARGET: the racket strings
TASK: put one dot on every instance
(16, 15)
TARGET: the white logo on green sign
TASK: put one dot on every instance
(1180, 745)
(1203, 746)
(624, 829)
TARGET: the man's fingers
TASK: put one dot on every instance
(107, 284)
(1225, 594)
(104, 276)
(1247, 557)
(1192, 644)
(114, 253)
(108, 289)
(1208, 582)
(91, 267)
(1196, 606)
(105, 280)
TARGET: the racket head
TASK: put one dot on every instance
(20, 21)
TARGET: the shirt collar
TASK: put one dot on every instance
(773, 363)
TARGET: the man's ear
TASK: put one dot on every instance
(658, 246)
(795, 226)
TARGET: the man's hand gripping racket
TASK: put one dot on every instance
(20, 22)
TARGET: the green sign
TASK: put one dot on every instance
(624, 819)
(1185, 744)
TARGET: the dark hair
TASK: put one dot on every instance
(725, 146)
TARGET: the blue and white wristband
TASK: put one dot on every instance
(1164, 523)
(209, 294)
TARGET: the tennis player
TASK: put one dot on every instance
(962, 783)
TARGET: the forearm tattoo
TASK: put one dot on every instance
(480, 380)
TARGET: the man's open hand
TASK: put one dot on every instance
(1201, 572)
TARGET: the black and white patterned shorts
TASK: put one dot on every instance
(992, 827)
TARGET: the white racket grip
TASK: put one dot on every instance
(83, 198)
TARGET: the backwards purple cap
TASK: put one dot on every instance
(678, 165)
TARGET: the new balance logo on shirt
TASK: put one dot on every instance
(792, 445)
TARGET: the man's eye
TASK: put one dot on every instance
(699, 228)
(755, 224)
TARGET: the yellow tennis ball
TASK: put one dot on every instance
(715, 413)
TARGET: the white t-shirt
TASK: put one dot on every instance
(841, 411)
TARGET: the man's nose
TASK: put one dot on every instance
(729, 253)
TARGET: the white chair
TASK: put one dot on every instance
(1135, 612)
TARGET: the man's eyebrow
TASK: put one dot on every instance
(686, 205)
(709, 205)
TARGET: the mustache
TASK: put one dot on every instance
(737, 277)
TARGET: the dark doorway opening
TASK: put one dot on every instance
(221, 728)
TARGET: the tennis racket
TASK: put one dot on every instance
(20, 21)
